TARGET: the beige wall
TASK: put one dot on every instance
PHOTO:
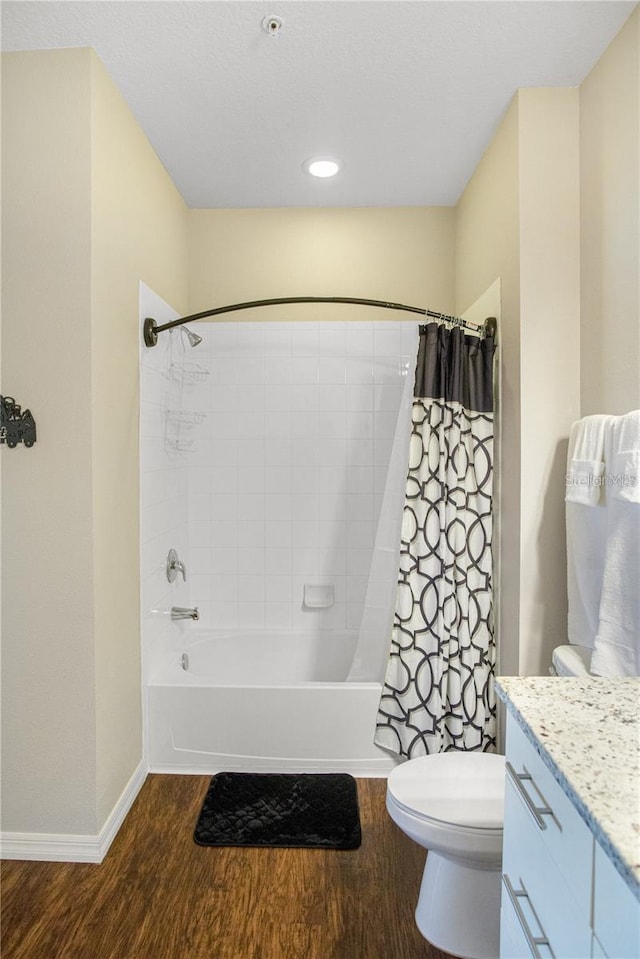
(487, 248)
(549, 360)
(88, 211)
(48, 685)
(518, 220)
(139, 232)
(404, 255)
(610, 235)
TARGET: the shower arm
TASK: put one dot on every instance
(151, 328)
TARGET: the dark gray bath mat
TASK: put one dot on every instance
(296, 810)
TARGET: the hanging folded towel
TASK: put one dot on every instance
(626, 464)
(586, 528)
(627, 467)
(585, 467)
(617, 645)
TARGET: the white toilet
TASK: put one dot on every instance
(571, 660)
(453, 805)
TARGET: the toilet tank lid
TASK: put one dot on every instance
(457, 788)
(572, 660)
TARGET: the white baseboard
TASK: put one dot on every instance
(59, 847)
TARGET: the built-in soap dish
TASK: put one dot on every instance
(318, 597)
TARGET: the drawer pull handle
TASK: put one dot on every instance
(536, 811)
(533, 941)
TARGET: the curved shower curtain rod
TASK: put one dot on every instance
(151, 328)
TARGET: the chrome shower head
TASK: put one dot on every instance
(193, 338)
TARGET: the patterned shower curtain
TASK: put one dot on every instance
(438, 690)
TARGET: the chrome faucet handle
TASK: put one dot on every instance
(175, 566)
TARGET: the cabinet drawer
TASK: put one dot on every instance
(519, 931)
(513, 944)
(616, 911)
(564, 834)
(532, 880)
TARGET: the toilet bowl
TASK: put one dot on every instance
(452, 804)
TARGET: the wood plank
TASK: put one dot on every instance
(158, 895)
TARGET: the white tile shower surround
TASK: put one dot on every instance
(284, 483)
(164, 485)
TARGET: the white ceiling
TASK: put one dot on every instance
(406, 94)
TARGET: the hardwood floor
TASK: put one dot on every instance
(158, 895)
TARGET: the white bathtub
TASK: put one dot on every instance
(263, 701)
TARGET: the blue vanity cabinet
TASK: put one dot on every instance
(562, 897)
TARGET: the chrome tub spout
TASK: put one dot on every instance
(181, 612)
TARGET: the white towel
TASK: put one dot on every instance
(627, 472)
(617, 645)
(586, 523)
(626, 478)
(585, 466)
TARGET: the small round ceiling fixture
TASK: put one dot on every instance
(323, 166)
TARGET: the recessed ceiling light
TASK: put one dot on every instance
(321, 166)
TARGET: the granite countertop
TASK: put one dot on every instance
(587, 731)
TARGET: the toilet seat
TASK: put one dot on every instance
(572, 660)
(458, 789)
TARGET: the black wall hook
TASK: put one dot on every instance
(16, 426)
